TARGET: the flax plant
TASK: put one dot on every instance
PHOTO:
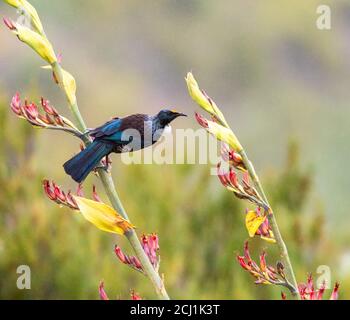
(241, 179)
(265, 224)
(111, 219)
(260, 222)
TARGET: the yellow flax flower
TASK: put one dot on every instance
(224, 134)
(253, 222)
(201, 98)
(258, 225)
(220, 132)
(30, 11)
(14, 3)
(102, 216)
(197, 94)
(69, 85)
(38, 43)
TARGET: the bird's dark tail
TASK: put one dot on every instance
(80, 165)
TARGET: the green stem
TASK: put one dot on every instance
(110, 189)
(274, 226)
(113, 196)
(131, 235)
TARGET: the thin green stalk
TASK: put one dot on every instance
(131, 235)
(113, 196)
(108, 184)
(279, 240)
(209, 105)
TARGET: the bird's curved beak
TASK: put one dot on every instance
(180, 114)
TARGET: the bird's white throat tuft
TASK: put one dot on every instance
(167, 129)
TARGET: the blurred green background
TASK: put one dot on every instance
(284, 87)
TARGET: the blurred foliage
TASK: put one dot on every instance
(274, 75)
(200, 224)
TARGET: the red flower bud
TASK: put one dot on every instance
(50, 118)
(80, 192)
(59, 121)
(59, 58)
(233, 178)
(235, 157)
(222, 176)
(232, 157)
(59, 193)
(263, 261)
(134, 295)
(16, 104)
(201, 120)
(31, 111)
(154, 241)
(149, 244)
(264, 273)
(102, 292)
(321, 291)
(119, 253)
(70, 200)
(246, 178)
(242, 262)
(46, 119)
(55, 193)
(308, 292)
(335, 294)
(9, 24)
(131, 261)
(47, 108)
(136, 262)
(246, 252)
(49, 192)
(95, 196)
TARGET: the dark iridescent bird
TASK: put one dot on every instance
(119, 135)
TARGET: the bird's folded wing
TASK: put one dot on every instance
(122, 131)
(112, 132)
(109, 128)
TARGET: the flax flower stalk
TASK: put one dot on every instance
(113, 196)
(274, 226)
(67, 84)
(223, 132)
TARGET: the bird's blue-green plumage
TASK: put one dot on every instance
(80, 165)
(109, 138)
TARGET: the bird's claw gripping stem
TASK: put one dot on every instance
(84, 135)
(105, 165)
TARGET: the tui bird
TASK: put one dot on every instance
(119, 135)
